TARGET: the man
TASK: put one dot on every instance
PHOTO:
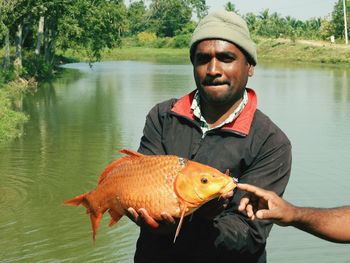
(332, 224)
(217, 124)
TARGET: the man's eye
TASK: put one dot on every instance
(226, 58)
(201, 59)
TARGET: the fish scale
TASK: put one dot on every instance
(165, 167)
(159, 183)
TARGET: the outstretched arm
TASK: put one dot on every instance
(332, 224)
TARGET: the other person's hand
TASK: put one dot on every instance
(262, 204)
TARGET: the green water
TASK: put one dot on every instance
(78, 122)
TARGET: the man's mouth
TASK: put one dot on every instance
(214, 84)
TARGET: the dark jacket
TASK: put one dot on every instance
(254, 150)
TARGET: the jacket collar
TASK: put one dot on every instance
(240, 125)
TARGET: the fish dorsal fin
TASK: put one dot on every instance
(130, 153)
(184, 208)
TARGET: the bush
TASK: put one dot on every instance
(182, 41)
(7, 75)
(37, 67)
(164, 42)
(146, 38)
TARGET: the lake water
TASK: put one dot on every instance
(79, 121)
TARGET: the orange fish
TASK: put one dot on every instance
(157, 183)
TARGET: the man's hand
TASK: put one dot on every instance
(262, 204)
(143, 219)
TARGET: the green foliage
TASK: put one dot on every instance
(93, 25)
(338, 18)
(146, 38)
(326, 29)
(137, 17)
(10, 120)
(6, 75)
(37, 67)
(182, 41)
(82, 24)
(167, 17)
(275, 26)
(229, 6)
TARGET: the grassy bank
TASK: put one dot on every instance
(276, 50)
(306, 51)
(160, 55)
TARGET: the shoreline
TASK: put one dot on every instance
(269, 50)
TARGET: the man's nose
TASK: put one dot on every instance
(214, 68)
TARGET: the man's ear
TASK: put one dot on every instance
(250, 70)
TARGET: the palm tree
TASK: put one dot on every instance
(229, 6)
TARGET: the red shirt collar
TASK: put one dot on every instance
(239, 125)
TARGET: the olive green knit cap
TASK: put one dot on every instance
(226, 26)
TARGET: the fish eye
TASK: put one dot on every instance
(204, 180)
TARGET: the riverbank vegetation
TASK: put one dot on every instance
(36, 36)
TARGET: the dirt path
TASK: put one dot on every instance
(322, 44)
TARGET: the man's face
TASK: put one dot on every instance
(221, 72)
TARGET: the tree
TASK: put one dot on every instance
(338, 18)
(326, 29)
(89, 24)
(198, 7)
(137, 17)
(169, 16)
(229, 6)
(5, 9)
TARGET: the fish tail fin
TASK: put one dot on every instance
(78, 200)
(95, 221)
(115, 215)
(94, 217)
(180, 222)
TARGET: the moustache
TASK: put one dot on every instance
(208, 82)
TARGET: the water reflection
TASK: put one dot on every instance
(79, 121)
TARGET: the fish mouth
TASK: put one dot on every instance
(223, 191)
(228, 188)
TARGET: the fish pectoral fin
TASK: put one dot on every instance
(115, 217)
(95, 221)
(183, 211)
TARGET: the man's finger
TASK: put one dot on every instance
(243, 203)
(167, 218)
(253, 189)
(262, 214)
(250, 211)
(147, 218)
(132, 214)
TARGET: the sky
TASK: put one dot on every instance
(299, 9)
